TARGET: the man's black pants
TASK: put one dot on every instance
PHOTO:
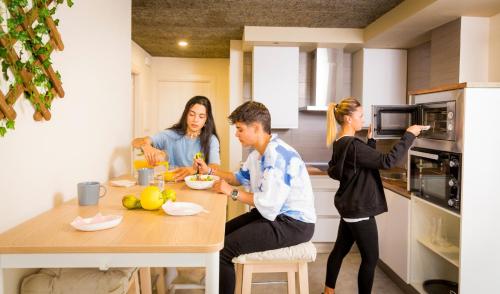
(251, 232)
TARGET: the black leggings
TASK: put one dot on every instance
(364, 233)
(251, 232)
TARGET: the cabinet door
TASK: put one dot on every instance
(379, 77)
(326, 229)
(394, 234)
(275, 83)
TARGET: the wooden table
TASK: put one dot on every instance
(143, 239)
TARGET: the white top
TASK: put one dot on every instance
(279, 181)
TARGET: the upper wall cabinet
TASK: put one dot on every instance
(276, 83)
(379, 78)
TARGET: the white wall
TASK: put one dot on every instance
(89, 135)
(494, 60)
(214, 69)
(142, 84)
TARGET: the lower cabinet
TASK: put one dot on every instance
(328, 220)
(394, 234)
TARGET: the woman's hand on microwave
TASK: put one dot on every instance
(369, 135)
(415, 129)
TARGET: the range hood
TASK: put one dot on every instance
(326, 78)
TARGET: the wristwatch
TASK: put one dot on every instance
(234, 194)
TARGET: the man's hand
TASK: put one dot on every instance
(221, 186)
(181, 172)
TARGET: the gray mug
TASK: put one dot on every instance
(89, 193)
(145, 175)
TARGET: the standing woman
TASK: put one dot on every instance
(195, 132)
(360, 196)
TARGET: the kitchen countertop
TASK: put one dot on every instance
(397, 186)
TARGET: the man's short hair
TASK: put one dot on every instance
(252, 111)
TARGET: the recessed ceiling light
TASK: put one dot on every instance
(183, 43)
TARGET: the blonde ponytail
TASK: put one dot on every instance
(335, 115)
(331, 124)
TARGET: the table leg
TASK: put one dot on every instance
(212, 273)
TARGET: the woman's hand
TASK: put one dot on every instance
(153, 155)
(369, 135)
(181, 172)
(221, 186)
(200, 165)
(415, 129)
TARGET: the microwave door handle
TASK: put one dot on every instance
(425, 155)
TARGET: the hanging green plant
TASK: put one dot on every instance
(28, 35)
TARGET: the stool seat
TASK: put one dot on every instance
(291, 260)
(301, 252)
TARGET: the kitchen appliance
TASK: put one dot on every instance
(442, 111)
(435, 176)
(326, 79)
(438, 286)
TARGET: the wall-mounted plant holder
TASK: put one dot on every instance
(28, 36)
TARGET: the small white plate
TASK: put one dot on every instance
(97, 222)
(182, 208)
(122, 183)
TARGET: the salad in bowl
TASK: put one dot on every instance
(200, 182)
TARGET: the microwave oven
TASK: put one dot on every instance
(442, 111)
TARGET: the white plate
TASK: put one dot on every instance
(97, 222)
(122, 183)
(182, 208)
(200, 185)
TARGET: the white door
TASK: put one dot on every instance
(172, 97)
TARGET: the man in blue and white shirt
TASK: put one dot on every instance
(277, 185)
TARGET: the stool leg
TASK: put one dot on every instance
(291, 282)
(303, 279)
(247, 279)
(239, 277)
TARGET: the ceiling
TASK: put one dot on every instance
(208, 26)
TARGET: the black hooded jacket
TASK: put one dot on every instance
(355, 164)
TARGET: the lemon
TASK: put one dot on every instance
(151, 198)
(199, 155)
(131, 202)
(169, 194)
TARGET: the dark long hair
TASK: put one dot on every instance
(206, 131)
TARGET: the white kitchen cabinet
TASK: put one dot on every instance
(379, 78)
(394, 234)
(275, 83)
(328, 218)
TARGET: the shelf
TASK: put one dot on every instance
(449, 253)
(418, 199)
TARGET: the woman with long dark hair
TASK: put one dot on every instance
(194, 132)
(360, 196)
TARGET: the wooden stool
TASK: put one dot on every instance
(291, 260)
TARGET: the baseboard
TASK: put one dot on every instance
(327, 247)
(407, 288)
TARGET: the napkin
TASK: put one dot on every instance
(122, 183)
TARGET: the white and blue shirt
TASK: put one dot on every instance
(279, 182)
(181, 149)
